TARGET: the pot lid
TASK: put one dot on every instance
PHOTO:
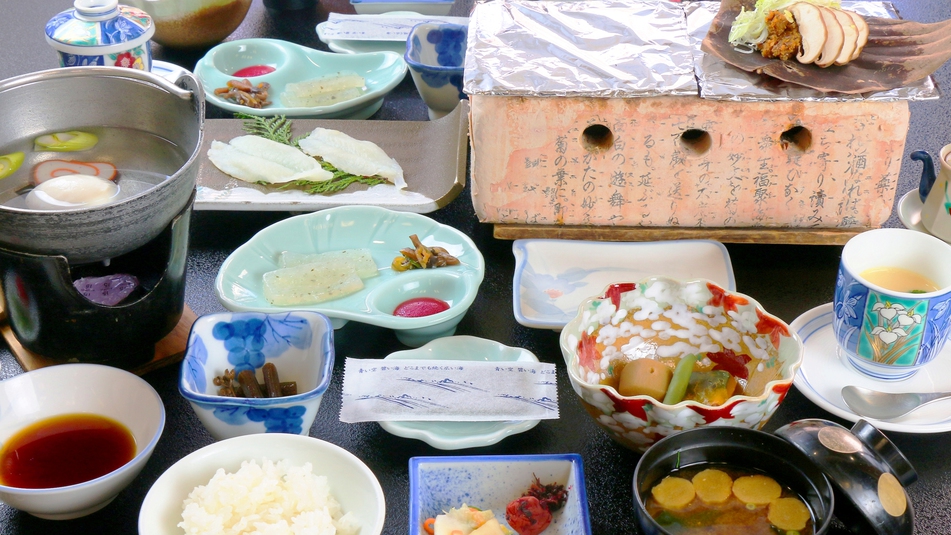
(99, 23)
(867, 471)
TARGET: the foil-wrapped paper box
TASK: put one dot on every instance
(607, 113)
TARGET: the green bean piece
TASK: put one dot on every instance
(678, 383)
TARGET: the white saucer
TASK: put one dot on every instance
(822, 376)
(909, 211)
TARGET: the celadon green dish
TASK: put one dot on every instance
(294, 63)
(449, 435)
(240, 280)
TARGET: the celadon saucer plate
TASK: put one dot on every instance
(294, 63)
(240, 281)
(457, 435)
(823, 374)
(553, 277)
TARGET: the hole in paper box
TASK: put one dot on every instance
(696, 141)
(597, 138)
(797, 137)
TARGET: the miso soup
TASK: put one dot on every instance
(722, 499)
(142, 160)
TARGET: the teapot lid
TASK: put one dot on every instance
(100, 23)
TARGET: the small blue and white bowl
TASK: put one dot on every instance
(436, 54)
(437, 484)
(299, 343)
(102, 33)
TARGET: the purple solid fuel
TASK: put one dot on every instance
(109, 290)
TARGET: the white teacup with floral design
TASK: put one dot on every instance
(884, 333)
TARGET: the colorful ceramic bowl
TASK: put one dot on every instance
(436, 53)
(437, 484)
(458, 435)
(101, 32)
(80, 388)
(665, 318)
(240, 281)
(299, 344)
(350, 481)
(292, 63)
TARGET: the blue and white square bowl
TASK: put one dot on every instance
(299, 343)
(437, 484)
(436, 54)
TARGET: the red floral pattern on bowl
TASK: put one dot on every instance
(731, 322)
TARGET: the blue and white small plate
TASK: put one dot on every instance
(553, 277)
(457, 435)
(437, 484)
(294, 63)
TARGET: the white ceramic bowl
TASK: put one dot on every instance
(458, 435)
(299, 343)
(436, 54)
(685, 317)
(80, 388)
(437, 484)
(351, 481)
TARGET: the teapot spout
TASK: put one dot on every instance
(928, 174)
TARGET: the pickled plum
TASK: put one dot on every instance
(419, 307)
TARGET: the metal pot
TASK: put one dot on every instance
(69, 98)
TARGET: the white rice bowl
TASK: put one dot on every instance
(267, 499)
(233, 486)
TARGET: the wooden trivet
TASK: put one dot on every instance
(168, 350)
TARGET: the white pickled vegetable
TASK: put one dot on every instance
(360, 259)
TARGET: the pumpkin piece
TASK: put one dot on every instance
(673, 492)
(756, 489)
(712, 388)
(645, 377)
(712, 485)
(788, 514)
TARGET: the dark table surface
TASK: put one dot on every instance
(787, 279)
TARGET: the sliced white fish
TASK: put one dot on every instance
(354, 156)
(256, 159)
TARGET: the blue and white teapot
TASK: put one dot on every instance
(101, 32)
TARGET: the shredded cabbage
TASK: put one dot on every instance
(749, 28)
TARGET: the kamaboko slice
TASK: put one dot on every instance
(256, 159)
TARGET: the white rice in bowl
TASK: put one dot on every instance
(266, 499)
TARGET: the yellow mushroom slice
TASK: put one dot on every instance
(835, 36)
(712, 485)
(756, 489)
(788, 514)
(811, 28)
(862, 28)
(850, 37)
(673, 492)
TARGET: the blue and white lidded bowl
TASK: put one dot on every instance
(103, 33)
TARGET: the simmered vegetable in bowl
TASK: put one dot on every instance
(659, 356)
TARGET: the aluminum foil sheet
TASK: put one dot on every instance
(592, 48)
(722, 81)
(624, 48)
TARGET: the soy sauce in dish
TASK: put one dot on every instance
(65, 450)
